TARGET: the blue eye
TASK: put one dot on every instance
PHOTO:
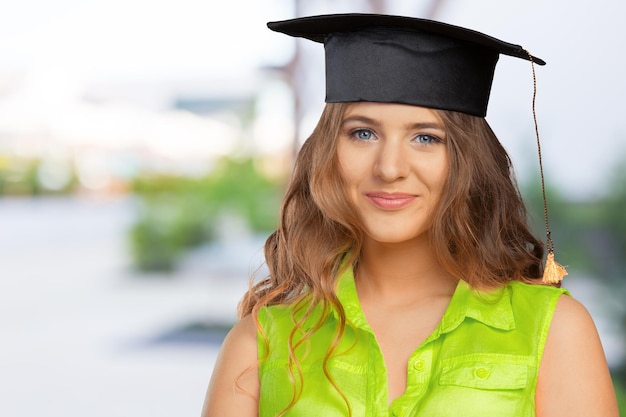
(362, 134)
(427, 139)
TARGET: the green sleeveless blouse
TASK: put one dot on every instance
(482, 359)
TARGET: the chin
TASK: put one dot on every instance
(402, 237)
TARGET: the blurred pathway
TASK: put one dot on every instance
(82, 336)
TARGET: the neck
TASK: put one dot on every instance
(396, 271)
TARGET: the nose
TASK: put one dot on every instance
(392, 161)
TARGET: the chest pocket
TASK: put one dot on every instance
(484, 385)
(485, 375)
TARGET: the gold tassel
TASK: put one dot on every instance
(553, 273)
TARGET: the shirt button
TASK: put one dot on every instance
(397, 411)
(419, 365)
(482, 373)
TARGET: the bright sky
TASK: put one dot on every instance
(137, 38)
(57, 47)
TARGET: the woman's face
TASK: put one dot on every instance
(394, 161)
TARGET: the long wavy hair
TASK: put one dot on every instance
(479, 230)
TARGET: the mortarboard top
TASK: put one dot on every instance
(395, 59)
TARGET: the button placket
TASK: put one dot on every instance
(419, 367)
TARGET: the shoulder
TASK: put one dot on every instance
(241, 341)
(571, 319)
(280, 318)
(244, 328)
(574, 379)
(533, 306)
(234, 387)
(536, 304)
(572, 330)
(532, 290)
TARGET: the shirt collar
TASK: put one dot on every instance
(492, 308)
(346, 293)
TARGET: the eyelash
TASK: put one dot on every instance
(353, 135)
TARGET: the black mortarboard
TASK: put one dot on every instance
(382, 58)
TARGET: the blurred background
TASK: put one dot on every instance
(145, 146)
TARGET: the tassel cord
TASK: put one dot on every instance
(549, 242)
(553, 272)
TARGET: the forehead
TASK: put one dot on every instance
(383, 112)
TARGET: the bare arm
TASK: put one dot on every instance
(234, 387)
(574, 379)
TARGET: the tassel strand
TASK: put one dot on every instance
(553, 272)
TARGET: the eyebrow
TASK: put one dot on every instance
(374, 122)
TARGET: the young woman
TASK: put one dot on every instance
(404, 280)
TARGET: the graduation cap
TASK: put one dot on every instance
(395, 59)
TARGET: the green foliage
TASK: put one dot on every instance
(167, 225)
(620, 392)
(177, 213)
(22, 176)
(613, 222)
(569, 224)
(588, 235)
(237, 186)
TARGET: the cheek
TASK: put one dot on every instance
(443, 177)
(350, 185)
(347, 168)
(439, 176)
(342, 157)
(344, 172)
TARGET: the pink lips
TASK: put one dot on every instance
(390, 201)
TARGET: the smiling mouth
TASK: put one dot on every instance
(390, 201)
